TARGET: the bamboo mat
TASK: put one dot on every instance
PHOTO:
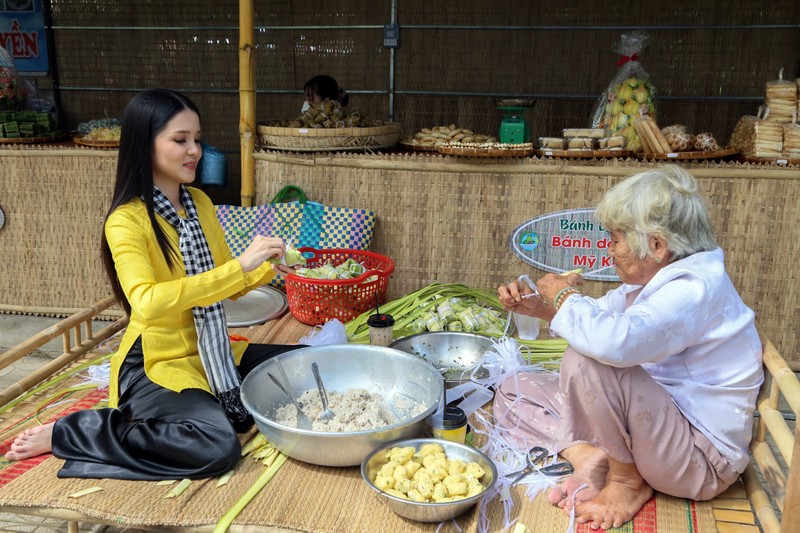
(301, 497)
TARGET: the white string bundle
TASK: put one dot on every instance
(503, 362)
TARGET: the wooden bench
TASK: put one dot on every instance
(771, 483)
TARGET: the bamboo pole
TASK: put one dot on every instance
(61, 328)
(778, 428)
(60, 362)
(791, 506)
(247, 100)
(783, 375)
(760, 500)
(774, 477)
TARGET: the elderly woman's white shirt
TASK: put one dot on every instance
(689, 329)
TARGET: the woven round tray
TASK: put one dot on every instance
(483, 152)
(697, 154)
(780, 161)
(418, 147)
(328, 139)
(95, 144)
(583, 153)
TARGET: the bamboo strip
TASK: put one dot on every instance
(729, 527)
(61, 328)
(791, 507)
(66, 152)
(778, 428)
(766, 514)
(728, 515)
(247, 100)
(60, 362)
(774, 478)
(783, 375)
(734, 504)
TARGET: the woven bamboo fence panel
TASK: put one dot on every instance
(448, 219)
(55, 201)
(696, 53)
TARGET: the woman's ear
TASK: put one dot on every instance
(658, 248)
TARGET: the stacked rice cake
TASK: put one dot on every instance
(756, 137)
(781, 100)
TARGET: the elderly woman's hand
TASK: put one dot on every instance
(552, 284)
(519, 298)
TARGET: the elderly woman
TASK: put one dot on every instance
(658, 386)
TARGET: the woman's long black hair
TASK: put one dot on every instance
(145, 116)
(326, 87)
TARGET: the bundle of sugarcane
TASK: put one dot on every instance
(781, 99)
(791, 139)
(756, 137)
(653, 141)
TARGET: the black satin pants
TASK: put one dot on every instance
(155, 433)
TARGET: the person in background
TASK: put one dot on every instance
(658, 386)
(321, 88)
(174, 405)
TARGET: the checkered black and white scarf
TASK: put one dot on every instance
(213, 342)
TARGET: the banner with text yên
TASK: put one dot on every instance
(565, 240)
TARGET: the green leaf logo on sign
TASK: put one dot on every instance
(565, 240)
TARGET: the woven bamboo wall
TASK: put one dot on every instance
(55, 201)
(697, 53)
(457, 231)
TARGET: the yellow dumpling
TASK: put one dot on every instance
(433, 457)
(457, 467)
(475, 470)
(401, 455)
(388, 469)
(439, 492)
(474, 488)
(402, 485)
(396, 494)
(400, 472)
(412, 467)
(383, 483)
(428, 449)
(456, 489)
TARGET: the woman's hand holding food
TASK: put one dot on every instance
(261, 249)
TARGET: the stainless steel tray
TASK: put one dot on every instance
(255, 307)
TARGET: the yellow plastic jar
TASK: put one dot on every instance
(449, 425)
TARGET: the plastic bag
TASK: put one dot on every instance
(332, 332)
(629, 94)
(12, 94)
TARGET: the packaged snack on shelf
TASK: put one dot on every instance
(780, 96)
(607, 143)
(630, 93)
(581, 143)
(594, 133)
(791, 139)
(553, 143)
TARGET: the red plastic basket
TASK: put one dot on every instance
(315, 301)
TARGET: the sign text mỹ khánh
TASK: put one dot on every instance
(565, 240)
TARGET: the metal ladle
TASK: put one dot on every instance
(326, 414)
(303, 422)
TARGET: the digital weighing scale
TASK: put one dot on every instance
(514, 129)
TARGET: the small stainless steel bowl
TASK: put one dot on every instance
(429, 512)
(404, 381)
(454, 353)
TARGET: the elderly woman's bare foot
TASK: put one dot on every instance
(590, 466)
(31, 442)
(620, 499)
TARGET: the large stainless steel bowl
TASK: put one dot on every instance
(429, 512)
(403, 380)
(454, 353)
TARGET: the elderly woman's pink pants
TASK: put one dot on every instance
(622, 411)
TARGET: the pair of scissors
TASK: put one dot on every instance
(534, 457)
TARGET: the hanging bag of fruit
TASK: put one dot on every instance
(12, 96)
(629, 94)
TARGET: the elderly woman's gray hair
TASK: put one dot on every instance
(663, 201)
